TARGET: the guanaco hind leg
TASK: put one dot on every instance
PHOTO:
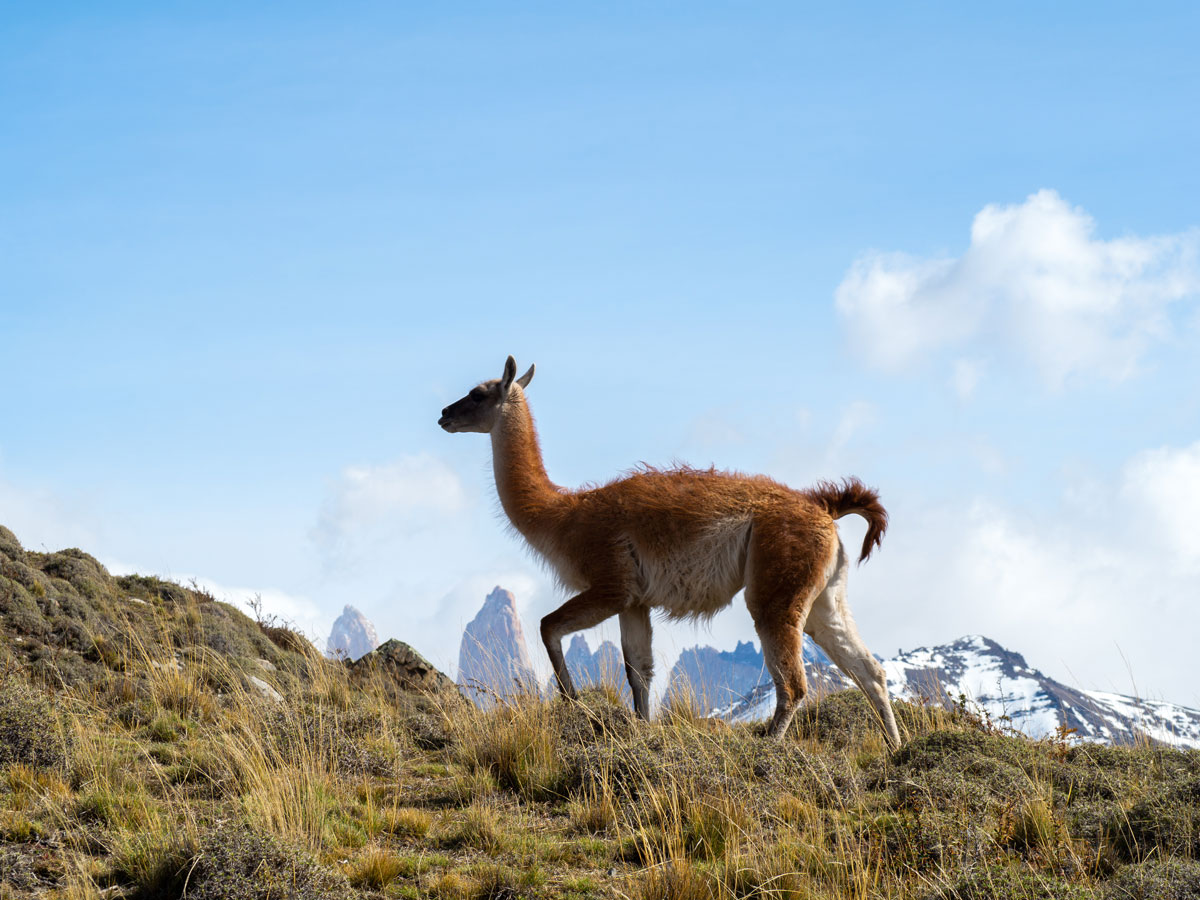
(831, 625)
(782, 642)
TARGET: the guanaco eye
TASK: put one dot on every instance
(478, 394)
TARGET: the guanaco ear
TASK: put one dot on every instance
(510, 372)
(524, 380)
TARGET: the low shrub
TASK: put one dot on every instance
(225, 864)
(375, 869)
(1014, 883)
(28, 726)
(1156, 879)
(1165, 820)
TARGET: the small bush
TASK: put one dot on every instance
(592, 814)
(970, 770)
(517, 748)
(450, 886)
(496, 882)
(28, 731)
(20, 610)
(1014, 883)
(166, 728)
(81, 571)
(1167, 819)
(407, 822)
(1032, 826)
(427, 732)
(115, 808)
(764, 874)
(153, 869)
(375, 869)
(15, 828)
(225, 864)
(677, 879)
(1157, 879)
(477, 827)
(10, 546)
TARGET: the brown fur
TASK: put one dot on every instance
(852, 496)
(684, 541)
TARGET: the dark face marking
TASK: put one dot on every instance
(474, 412)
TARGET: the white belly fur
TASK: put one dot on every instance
(701, 579)
(696, 581)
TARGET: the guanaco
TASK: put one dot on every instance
(684, 541)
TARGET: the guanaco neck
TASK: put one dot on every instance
(526, 492)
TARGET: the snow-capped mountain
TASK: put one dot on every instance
(999, 683)
(734, 684)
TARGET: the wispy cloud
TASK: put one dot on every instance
(964, 377)
(49, 520)
(1163, 487)
(855, 418)
(1035, 281)
(1097, 573)
(368, 505)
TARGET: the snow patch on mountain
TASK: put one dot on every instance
(999, 685)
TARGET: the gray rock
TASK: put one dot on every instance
(404, 668)
(265, 689)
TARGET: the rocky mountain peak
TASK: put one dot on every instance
(493, 659)
(352, 635)
(579, 645)
(499, 600)
(605, 666)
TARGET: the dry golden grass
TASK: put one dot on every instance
(179, 770)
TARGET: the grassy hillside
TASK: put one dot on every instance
(157, 743)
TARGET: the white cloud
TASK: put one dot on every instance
(1109, 573)
(1034, 280)
(46, 520)
(857, 416)
(965, 377)
(373, 505)
(1163, 486)
(417, 550)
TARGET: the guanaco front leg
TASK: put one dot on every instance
(582, 611)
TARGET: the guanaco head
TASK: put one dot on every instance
(480, 409)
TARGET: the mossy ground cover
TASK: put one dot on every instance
(137, 759)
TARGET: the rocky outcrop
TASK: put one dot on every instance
(403, 668)
(352, 635)
(493, 660)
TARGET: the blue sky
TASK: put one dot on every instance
(246, 256)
